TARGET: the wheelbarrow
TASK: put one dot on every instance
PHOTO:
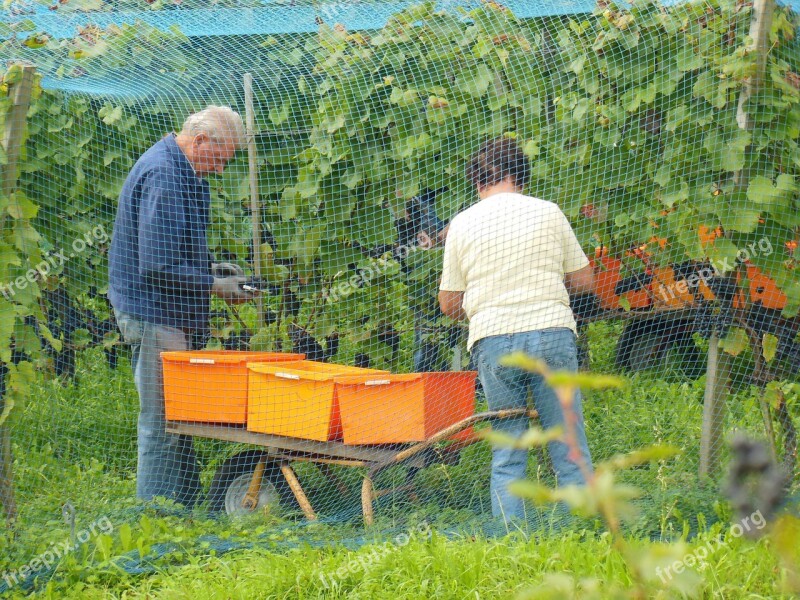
(256, 478)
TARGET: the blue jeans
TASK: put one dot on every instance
(507, 388)
(167, 465)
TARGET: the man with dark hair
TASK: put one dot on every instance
(509, 262)
(161, 278)
(422, 228)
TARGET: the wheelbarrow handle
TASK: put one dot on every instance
(451, 431)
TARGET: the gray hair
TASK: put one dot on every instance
(220, 123)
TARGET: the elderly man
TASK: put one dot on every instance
(161, 277)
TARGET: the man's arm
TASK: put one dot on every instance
(451, 304)
(163, 222)
(453, 283)
(580, 281)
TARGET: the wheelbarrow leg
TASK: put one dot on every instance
(298, 492)
(250, 500)
(367, 497)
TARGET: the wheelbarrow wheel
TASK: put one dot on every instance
(232, 480)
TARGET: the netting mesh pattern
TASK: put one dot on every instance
(300, 305)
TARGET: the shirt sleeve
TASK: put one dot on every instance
(574, 257)
(163, 228)
(452, 276)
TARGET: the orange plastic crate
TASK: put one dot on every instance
(403, 408)
(297, 399)
(210, 386)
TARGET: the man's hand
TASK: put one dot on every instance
(230, 289)
(226, 269)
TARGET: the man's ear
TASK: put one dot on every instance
(200, 138)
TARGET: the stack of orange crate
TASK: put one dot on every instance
(283, 394)
(327, 402)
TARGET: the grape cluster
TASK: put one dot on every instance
(63, 319)
(723, 324)
(704, 319)
(755, 483)
(304, 343)
(709, 319)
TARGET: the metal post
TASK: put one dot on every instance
(255, 209)
(719, 364)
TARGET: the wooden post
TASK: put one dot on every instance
(255, 209)
(714, 408)
(760, 26)
(12, 142)
(719, 363)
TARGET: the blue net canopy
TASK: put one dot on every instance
(248, 18)
(197, 52)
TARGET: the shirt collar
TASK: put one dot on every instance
(179, 157)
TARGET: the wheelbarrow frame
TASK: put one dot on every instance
(324, 454)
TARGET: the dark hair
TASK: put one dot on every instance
(496, 160)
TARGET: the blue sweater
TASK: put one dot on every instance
(159, 264)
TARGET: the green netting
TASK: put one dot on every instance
(657, 133)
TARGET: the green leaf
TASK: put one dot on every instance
(110, 339)
(20, 207)
(708, 87)
(561, 378)
(643, 456)
(48, 335)
(687, 59)
(263, 340)
(279, 116)
(769, 346)
(727, 153)
(109, 114)
(7, 321)
(762, 191)
(675, 192)
(534, 437)
(475, 81)
(735, 342)
(723, 254)
(372, 226)
(81, 338)
(125, 537)
(336, 256)
(737, 214)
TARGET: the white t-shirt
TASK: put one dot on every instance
(509, 254)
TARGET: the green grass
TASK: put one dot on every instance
(77, 443)
(437, 567)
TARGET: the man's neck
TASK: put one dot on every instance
(502, 187)
(184, 142)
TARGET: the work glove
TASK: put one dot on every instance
(226, 269)
(230, 289)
